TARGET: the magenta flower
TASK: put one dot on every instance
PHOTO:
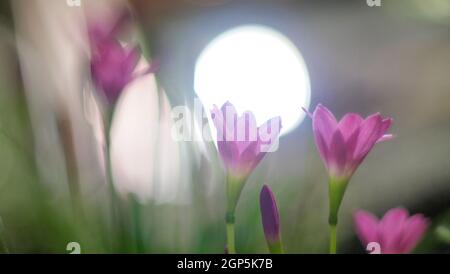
(343, 145)
(270, 220)
(242, 145)
(396, 232)
(112, 67)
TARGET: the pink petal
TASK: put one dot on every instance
(228, 108)
(350, 127)
(250, 156)
(324, 125)
(229, 115)
(323, 148)
(414, 229)
(366, 226)
(268, 134)
(369, 133)
(246, 128)
(239, 140)
(269, 131)
(130, 63)
(247, 136)
(218, 120)
(229, 153)
(349, 124)
(391, 230)
(394, 217)
(385, 137)
(351, 143)
(386, 124)
(337, 154)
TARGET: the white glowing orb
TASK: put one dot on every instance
(255, 68)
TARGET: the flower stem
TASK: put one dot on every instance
(230, 238)
(233, 190)
(333, 239)
(137, 225)
(276, 248)
(336, 194)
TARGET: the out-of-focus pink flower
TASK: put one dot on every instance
(112, 67)
(270, 219)
(242, 145)
(396, 232)
(113, 64)
(343, 145)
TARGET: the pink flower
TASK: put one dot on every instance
(242, 145)
(112, 67)
(343, 145)
(396, 232)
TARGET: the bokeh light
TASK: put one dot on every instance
(255, 68)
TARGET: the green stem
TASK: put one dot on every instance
(137, 225)
(230, 238)
(333, 239)
(337, 189)
(276, 248)
(234, 189)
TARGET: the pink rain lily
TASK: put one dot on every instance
(396, 232)
(113, 65)
(242, 145)
(343, 145)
